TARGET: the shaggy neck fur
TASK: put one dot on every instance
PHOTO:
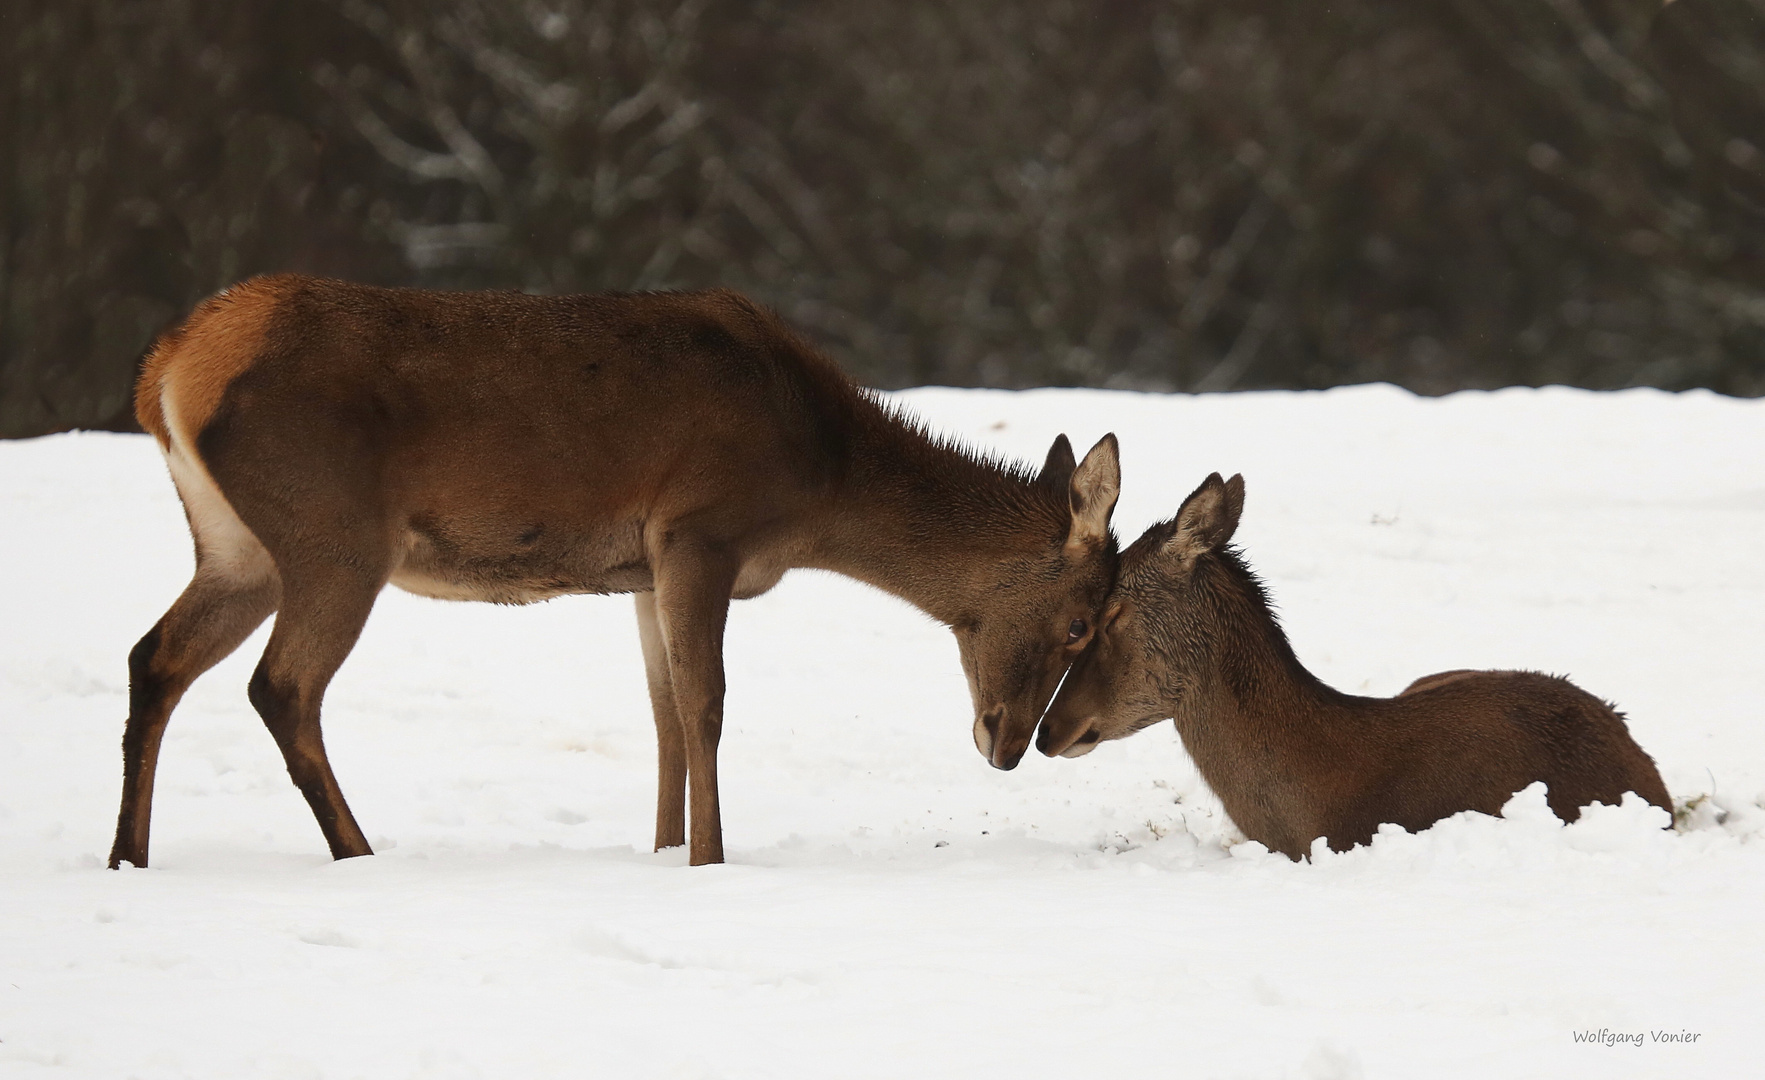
(933, 522)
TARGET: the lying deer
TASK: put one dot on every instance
(1188, 634)
(328, 439)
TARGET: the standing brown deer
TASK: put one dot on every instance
(1187, 633)
(328, 438)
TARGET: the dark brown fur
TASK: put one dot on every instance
(330, 438)
(1188, 634)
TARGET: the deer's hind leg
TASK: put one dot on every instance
(670, 735)
(234, 589)
(323, 611)
(217, 611)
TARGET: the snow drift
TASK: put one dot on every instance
(893, 906)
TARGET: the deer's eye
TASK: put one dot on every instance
(1075, 632)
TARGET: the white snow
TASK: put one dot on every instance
(893, 907)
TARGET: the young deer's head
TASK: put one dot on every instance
(1039, 611)
(1155, 631)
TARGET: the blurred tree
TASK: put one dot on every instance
(556, 147)
(157, 150)
(1167, 194)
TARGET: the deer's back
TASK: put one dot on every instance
(499, 436)
(1467, 740)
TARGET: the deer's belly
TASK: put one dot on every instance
(524, 568)
(503, 565)
(512, 589)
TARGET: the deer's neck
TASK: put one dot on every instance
(1256, 721)
(931, 522)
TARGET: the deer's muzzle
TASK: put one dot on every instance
(992, 737)
(1076, 741)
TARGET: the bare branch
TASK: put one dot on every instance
(426, 164)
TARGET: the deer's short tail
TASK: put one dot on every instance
(150, 384)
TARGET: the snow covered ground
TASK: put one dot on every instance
(893, 907)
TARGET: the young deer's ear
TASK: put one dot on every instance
(1092, 492)
(1057, 469)
(1208, 518)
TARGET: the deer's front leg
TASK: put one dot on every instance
(693, 583)
(670, 736)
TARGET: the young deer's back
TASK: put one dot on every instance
(1455, 741)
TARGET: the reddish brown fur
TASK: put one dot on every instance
(329, 438)
(211, 348)
(1188, 634)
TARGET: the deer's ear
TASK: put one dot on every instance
(1092, 492)
(1208, 518)
(1058, 468)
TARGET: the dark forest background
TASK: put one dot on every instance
(1158, 194)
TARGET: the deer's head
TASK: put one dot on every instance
(1155, 627)
(1038, 611)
